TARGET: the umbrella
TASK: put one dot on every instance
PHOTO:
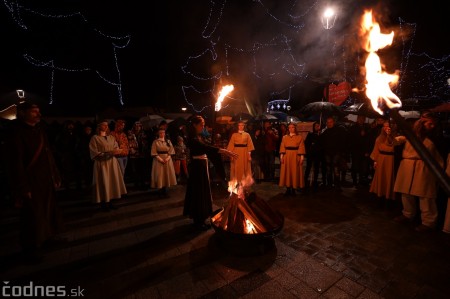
(175, 127)
(364, 109)
(409, 114)
(12, 98)
(150, 121)
(266, 116)
(278, 114)
(223, 120)
(9, 113)
(241, 116)
(418, 104)
(444, 107)
(292, 119)
(178, 122)
(322, 108)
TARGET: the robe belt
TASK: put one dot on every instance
(386, 153)
(161, 152)
(412, 159)
(201, 157)
(291, 148)
(240, 145)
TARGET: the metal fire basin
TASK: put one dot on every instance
(244, 243)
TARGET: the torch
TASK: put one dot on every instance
(222, 94)
(379, 92)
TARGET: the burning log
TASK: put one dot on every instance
(247, 225)
(264, 212)
(247, 215)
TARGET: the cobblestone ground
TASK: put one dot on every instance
(334, 244)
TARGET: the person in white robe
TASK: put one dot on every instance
(163, 171)
(108, 182)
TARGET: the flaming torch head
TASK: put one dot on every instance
(222, 94)
(378, 82)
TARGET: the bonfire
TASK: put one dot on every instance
(246, 213)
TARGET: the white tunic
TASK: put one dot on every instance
(107, 179)
(163, 174)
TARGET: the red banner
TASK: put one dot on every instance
(338, 93)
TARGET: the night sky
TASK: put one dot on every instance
(123, 53)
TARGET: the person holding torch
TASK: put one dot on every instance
(198, 198)
(415, 179)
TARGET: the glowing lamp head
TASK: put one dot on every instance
(329, 12)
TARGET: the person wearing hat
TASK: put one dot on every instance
(34, 179)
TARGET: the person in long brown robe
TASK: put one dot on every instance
(292, 152)
(415, 179)
(34, 180)
(241, 143)
(383, 156)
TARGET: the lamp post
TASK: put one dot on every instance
(328, 19)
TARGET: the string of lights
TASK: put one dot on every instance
(18, 12)
(275, 58)
(436, 68)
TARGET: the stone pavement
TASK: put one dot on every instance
(332, 245)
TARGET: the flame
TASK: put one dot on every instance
(239, 187)
(249, 227)
(233, 186)
(378, 82)
(222, 94)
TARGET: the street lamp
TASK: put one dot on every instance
(328, 19)
(20, 93)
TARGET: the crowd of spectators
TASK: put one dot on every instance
(337, 154)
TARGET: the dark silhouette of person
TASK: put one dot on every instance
(34, 180)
